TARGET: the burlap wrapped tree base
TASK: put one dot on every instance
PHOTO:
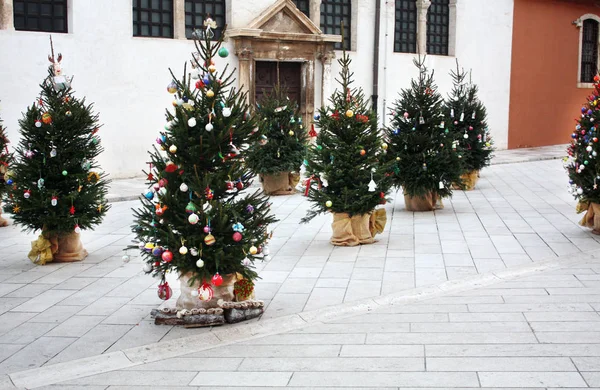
(283, 183)
(591, 218)
(358, 229)
(427, 202)
(192, 312)
(64, 248)
(469, 180)
(3, 221)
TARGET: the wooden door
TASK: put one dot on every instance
(289, 78)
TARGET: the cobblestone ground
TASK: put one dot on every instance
(520, 215)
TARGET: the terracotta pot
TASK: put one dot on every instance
(187, 301)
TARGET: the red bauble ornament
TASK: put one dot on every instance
(199, 84)
(217, 280)
(171, 167)
(239, 185)
(595, 139)
(209, 193)
(229, 185)
(167, 256)
(163, 182)
(312, 132)
(237, 236)
(205, 292)
(164, 291)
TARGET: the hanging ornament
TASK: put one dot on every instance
(126, 258)
(246, 262)
(190, 208)
(465, 136)
(170, 167)
(160, 210)
(192, 122)
(53, 151)
(349, 113)
(207, 228)
(65, 173)
(210, 93)
(29, 154)
(205, 292)
(223, 52)
(157, 251)
(239, 184)
(147, 268)
(209, 127)
(363, 152)
(217, 280)
(27, 194)
(230, 186)
(238, 227)
(372, 185)
(473, 116)
(38, 123)
(226, 112)
(46, 118)
(212, 69)
(167, 256)
(405, 116)
(462, 117)
(250, 209)
(183, 187)
(424, 166)
(68, 114)
(291, 133)
(263, 140)
(328, 204)
(194, 251)
(384, 146)
(193, 219)
(237, 236)
(183, 250)
(172, 87)
(164, 291)
(209, 239)
(312, 133)
(54, 200)
(148, 247)
(149, 195)
(199, 262)
(441, 185)
(209, 193)
(253, 250)
(77, 229)
(421, 120)
(173, 149)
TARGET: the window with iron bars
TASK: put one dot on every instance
(153, 18)
(405, 28)
(303, 6)
(438, 25)
(196, 11)
(589, 51)
(40, 15)
(333, 12)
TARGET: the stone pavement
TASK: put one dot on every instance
(520, 215)
(531, 328)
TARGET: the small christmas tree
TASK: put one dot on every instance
(195, 219)
(466, 118)
(345, 170)
(57, 186)
(582, 164)
(4, 164)
(278, 154)
(420, 145)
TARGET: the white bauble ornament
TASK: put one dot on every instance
(193, 218)
(183, 251)
(208, 127)
(246, 262)
(589, 148)
(173, 149)
(194, 251)
(126, 258)
(580, 191)
(266, 250)
(192, 122)
(183, 187)
(162, 191)
(200, 263)
(226, 112)
(466, 136)
(147, 267)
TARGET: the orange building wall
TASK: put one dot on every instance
(544, 98)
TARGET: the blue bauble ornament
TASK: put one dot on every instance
(589, 112)
(9, 182)
(149, 195)
(185, 99)
(317, 117)
(583, 109)
(573, 135)
(205, 79)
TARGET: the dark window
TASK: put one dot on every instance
(405, 30)
(438, 22)
(589, 51)
(40, 15)
(198, 10)
(333, 12)
(153, 18)
(303, 6)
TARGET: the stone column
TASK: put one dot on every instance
(246, 58)
(422, 8)
(308, 85)
(326, 82)
(315, 12)
(452, 27)
(6, 15)
(179, 19)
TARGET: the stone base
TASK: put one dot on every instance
(227, 312)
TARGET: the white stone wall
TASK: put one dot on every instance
(126, 76)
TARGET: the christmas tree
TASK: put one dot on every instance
(195, 219)
(466, 118)
(421, 147)
(278, 154)
(57, 186)
(346, 175)
(4, 164)
(582, 164)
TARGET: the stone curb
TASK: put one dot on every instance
(232, 334)
(524, 160)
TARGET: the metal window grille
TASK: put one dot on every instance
(153, 18)
(196, 11)
(332, 14)
(40, 15)
(303, 6)
(589, 51)
(438, 22)
(405, 29)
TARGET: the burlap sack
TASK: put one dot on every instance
(3, 221)
(469, 180)
(420, 203)
(591, 218)
(70, 248)
(342, 231)
(277, 184)
(377, 221)
(360, 228)
(187, 301)
(294, 179)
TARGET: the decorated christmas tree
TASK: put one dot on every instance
(421, 148)
(4, 164)
(281, 149)
(196, 220)
(466, 116)
(582, 163)
(56, 185)
(346, 174)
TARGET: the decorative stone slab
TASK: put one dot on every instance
(230, 312)
(188, 321)
(233, 316)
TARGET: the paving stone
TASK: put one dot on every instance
(469, 327)
(592, 378)
(246, 378)
(35, 354)
(323, 297)
(137, 378)
(393, 318)
(44, 301)
(57, 314)
(535, 350)
(451, 338)
(333, 364)
(511, 364)
(531, 379)
(26, 333)
(310, 338)
(75, 326)
(396, 379)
